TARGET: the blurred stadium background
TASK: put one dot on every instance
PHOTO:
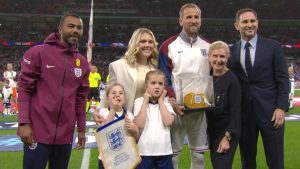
(25, 23)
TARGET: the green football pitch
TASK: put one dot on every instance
(13, 160)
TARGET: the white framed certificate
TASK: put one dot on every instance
(117, 147)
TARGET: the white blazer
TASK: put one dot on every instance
(121, 72)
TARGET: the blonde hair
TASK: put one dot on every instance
(154, 72)
(219, 45)
(109, 87)
(133, 48)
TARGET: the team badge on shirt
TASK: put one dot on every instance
(77, 71)
(77, 62)
(204, 52)
(115, 139)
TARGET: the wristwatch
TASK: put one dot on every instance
(228, 136)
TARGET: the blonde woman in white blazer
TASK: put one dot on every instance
(130, 71)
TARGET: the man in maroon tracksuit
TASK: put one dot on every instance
(53, 86)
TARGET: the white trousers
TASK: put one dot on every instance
(194, 126)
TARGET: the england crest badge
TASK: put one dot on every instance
(204, 52)
(115, 139)
(78, 72)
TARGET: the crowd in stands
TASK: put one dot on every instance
(119, 33)
(102, 58)
(113, 31)
(275, 9)
(30, 6)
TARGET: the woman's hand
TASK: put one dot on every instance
(224, 145)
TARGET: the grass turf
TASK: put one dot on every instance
(13, 160)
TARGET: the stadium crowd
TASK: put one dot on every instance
(224, 9)
(105, 35)
(111, 37)
(17, 36)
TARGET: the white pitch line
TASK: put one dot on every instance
(86, 156)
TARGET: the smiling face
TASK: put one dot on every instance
(116, 97)
(218, 60)
(155, 85)
(146, 45)
(247, 25)
(190, 20)
(71, 30)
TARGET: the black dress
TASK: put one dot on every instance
(225, 117)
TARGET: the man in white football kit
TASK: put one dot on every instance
(292, 85)
(6, 95)
(11, 75)
(181, 57)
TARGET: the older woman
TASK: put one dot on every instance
(224, 121)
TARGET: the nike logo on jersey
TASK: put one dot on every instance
(26, 61)
(180, 51)
(49, 66)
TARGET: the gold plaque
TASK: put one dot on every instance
(195, 101)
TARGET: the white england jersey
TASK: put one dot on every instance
(10, 75)
(6, 92)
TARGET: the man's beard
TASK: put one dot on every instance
(193, 30)
(70, 40)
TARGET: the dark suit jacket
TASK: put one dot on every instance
(268, 87)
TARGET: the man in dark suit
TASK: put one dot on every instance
(260, 66)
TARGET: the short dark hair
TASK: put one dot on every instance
(69, 13)
(241, 11)
(188, 5)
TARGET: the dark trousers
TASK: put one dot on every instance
(100, 164)
(157, 162)
(272, 140)
(94, 92)
(223, 160)
(57, 155)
